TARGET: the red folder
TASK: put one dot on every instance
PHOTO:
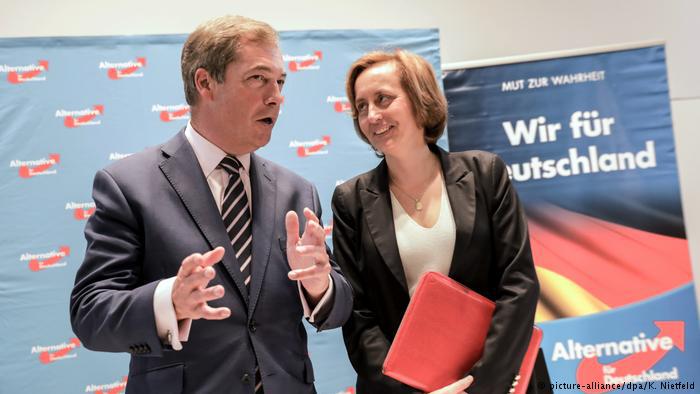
(442, 336)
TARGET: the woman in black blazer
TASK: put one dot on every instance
(388, 220)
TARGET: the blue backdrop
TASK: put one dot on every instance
(69, 106)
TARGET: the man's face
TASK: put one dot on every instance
(244, 107)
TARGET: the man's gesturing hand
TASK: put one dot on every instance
(190, 292)
(307, 256)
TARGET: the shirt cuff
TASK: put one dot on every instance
(308, 313)
(169, 329)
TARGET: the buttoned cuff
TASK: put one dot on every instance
(308, 313)
(169, 329)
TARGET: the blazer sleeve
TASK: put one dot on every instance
(111, 309)
(517, 286)
(335, 313)
(366, 344)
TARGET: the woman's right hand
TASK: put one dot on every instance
(457, 387)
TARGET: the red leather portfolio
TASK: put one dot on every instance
(442, 336)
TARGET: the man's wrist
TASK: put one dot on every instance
(315, 290)
(167, 324)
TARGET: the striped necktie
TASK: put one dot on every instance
(236, 214)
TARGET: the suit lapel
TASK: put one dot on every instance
(264, 200)
(376, 203)
(181, 168)
(459, 182)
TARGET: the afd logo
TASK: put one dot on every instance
(115, 387)
(311, 148)
(168, 113)
(114, 156)
(349, 390)
(32, 168)
(42, 261)
(128, 69)
(626, 359)
(340, 104)
(328, 229)
(53, 353)
(82, 117)
(303, 62)
(81, 210)
(29, 73)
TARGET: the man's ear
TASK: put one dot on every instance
(204, 82)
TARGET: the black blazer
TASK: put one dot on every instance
(492, 256)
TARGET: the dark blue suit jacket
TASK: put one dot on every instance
(155, 208)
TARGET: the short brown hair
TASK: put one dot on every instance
(215, 43)
(417, 79)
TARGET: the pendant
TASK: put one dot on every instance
(419, 206)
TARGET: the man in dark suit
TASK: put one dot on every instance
(195, 230)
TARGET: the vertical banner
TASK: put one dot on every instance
(589, 145)
(70, 106)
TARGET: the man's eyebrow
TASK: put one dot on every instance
(261, 67)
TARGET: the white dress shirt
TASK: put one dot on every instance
(169, 329)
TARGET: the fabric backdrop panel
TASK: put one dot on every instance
(70, 106)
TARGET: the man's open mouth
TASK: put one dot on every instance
(268, 121)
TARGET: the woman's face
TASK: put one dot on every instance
(385, 113)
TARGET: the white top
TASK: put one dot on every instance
(424, 249)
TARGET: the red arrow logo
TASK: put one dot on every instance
(296, 66)
(49, 357)
(115, 390)
(167, 116)
(304, 151)
(114, 73)
(82, 213)
(328, 229)
(37, 265)
(341, 106)
(590, 370)
(14, 77)
(72, 121)
(28, 172)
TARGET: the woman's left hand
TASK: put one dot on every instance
(457, 387)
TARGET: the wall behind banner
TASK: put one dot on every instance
(469, 30)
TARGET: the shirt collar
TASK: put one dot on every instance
(208, 154)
